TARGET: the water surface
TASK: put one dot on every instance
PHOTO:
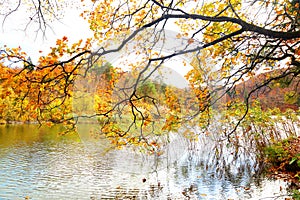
(40, 164)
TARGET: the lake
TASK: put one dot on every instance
(38, 163)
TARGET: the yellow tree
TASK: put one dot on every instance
(226, 42)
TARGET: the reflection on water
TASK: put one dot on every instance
(42, 165)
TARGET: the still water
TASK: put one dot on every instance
(37, 163)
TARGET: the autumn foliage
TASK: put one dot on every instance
(225, 43)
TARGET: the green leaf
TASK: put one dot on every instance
(298, 163)
(293, 160)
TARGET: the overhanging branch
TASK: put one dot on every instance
(245, 25)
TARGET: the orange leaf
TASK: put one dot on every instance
(191, 40)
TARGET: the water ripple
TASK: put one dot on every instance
(67, 169)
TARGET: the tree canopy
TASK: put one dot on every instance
(222, 42)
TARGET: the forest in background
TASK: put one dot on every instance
(230, 41)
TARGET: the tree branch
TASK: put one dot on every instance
(245, 25)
